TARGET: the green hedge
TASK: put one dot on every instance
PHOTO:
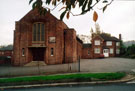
(132, 56)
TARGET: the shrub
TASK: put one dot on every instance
(132, 56)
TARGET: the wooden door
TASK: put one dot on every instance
(38, 54)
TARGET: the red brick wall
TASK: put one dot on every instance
(113, 46)
(6, 53)
(23, 38)
(70, 46)
(97, 46)
(53, 28)
(85, 54)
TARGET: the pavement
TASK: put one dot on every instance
(86, 65)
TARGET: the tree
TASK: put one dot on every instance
(68, 5)
(131, 50)
(122, 48)
(6, 47)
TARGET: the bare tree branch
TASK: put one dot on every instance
(54, 7)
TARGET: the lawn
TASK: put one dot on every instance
(82, 76)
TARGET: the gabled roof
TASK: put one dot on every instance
(78, 39)
(87, 45)
(108, 38)
(34, 14)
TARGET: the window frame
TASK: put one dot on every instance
(2, 53)
(117, 51)
(88, 52)
(111, 52)
(97, 42)
(52, 51)
(108, 43)
(97, 50)
(23, 51)
(42, 36)
(117, 43)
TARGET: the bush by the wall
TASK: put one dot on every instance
(132, 56)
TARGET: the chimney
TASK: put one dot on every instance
(119, 36)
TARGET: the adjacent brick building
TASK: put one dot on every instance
(104, 45)
(87, 51)
(6, 56)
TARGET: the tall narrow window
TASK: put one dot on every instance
(42, 33)
(117, 43)
(34, 33)
(38, 32)
(23, 52)
(51, 51)
(111, 50)
(117, 51)
(88, 52)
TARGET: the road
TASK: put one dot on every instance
(107, 87)
(87, 65)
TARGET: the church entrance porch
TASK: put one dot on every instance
(38, 54)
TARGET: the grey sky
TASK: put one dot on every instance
(119, 17)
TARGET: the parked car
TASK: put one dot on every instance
(101, 56)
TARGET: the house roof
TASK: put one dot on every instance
(86, 45)
(108, 38)
(78, 39)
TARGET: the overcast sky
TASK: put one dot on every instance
(118, 18)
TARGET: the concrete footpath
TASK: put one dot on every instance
(129, 77)
(86, 65)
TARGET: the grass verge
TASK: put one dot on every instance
(82, 76)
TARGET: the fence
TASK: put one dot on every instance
(7, 70)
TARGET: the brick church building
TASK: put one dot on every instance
(44, 38)
(39, 38)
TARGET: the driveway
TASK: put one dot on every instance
(87, 65)
(108, 65)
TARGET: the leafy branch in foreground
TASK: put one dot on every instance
(68, 5)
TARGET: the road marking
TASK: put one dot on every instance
(131, 82)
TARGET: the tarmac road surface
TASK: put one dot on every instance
(107, 87)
